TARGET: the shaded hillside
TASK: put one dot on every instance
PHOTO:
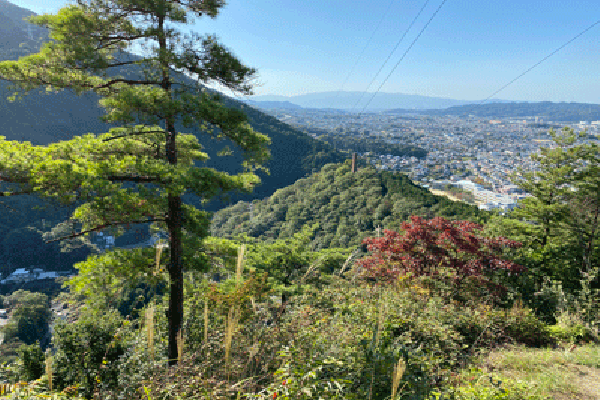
(18, 37)
(348, 206)
(573, 112)
(42, 118)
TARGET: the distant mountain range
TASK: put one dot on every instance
(398, 103)
(357, 100)
(548, 111)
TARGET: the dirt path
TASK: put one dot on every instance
(588, 381)
(441, 193)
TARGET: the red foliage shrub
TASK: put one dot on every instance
(428, 247)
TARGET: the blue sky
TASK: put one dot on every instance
(471, 48)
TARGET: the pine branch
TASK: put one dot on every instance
(126, 81)
(13, 180)
(139, 179)
(130, 134)
(101, 227)
(7, 194)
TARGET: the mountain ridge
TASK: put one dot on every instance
(348, 99)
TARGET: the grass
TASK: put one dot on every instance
(552, 373)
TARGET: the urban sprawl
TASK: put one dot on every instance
(475, 154)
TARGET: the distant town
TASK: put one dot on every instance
(475, 154)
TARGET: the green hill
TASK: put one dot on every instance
(348, 206)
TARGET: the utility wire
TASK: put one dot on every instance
(539, 62)
(403, 55)
(362, 53)
(392, 52)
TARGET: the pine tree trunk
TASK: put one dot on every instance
(174, 223)
(175, 316)
(174, 216)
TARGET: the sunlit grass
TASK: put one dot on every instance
(552, 373)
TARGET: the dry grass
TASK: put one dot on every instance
(398, 373)
(49, 370)
(205, 320)
(150, 329)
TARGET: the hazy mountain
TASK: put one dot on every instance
(272, 104)
(349, 100)
(547, 110)
(18, 37)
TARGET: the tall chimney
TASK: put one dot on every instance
(353, 162)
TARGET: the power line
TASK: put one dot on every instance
(539, 62)
(391, 53)
(404, 55)
(362, 53)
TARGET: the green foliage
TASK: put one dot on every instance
(488, 387)
(348, 207)
(31, 362)
(158, 164)
(30, 317)
(288, 264)
(44, 118)
(87, 351)
(558, 224)
(311, 380)
(107, 280)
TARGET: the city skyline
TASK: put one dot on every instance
(468, 51)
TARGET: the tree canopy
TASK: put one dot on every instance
(348, 207)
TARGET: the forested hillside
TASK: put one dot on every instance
(348, 206)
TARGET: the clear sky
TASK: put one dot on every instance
(470, 49)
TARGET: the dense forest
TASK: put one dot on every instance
(566, 112)
(348, 207)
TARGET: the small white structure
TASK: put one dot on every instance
(23, 275)
(20, 275)
(48, 275)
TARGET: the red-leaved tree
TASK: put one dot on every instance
(430, 247)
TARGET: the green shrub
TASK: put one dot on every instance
(30, 318)
(311, 380)
(488, 387)
(87, 352)
(571, 332)
(523, 326)
(30, 365)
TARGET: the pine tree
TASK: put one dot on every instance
(136, 173)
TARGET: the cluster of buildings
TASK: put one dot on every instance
(470, 149)
(22, 275)
(505, 199)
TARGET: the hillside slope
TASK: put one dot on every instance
(348, 206)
